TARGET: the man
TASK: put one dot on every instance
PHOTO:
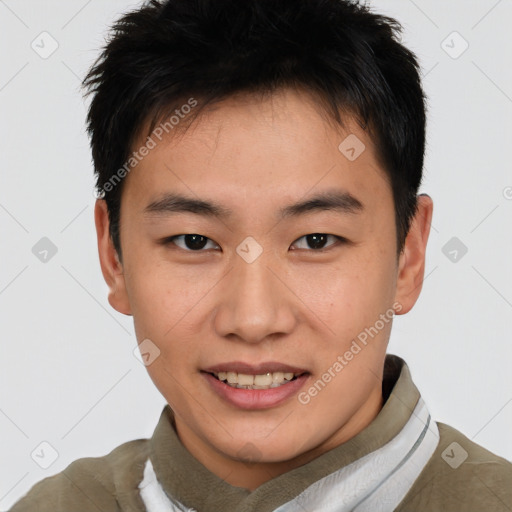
(258, 166)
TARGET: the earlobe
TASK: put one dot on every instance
(411, 267)
(111, 267)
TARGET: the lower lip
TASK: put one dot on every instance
(256, 398)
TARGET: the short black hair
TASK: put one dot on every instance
(176, 53)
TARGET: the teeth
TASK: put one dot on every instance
(277, 377)
(263, 381)
(245, 380)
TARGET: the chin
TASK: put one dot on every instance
(264, 452)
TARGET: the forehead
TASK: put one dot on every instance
(249, 148)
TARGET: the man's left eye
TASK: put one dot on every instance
(317, 241)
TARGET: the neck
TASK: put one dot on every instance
(252, 475)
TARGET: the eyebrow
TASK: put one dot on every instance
(337, 200)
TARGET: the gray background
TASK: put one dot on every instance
(68, 376)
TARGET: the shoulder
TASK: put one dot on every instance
(108, 483)
(461, 476)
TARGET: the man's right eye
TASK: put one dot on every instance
(189, 242)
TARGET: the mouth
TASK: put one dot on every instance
(268, 380)
(255, 386)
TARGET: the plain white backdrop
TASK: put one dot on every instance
(68, 376)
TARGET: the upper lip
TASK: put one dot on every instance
(254, 369)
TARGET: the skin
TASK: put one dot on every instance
(293, 304)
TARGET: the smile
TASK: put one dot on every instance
(261, 381)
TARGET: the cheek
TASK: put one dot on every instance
(350, 296)
(166, 310)
(165, 298)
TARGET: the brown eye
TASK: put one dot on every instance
(190, 242)
(317, 241)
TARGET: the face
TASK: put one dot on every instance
(279, 273)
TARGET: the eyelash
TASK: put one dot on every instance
(339, 239)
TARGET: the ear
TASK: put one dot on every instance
(111, 267)
(411, 266)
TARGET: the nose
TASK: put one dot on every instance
(255, 302)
